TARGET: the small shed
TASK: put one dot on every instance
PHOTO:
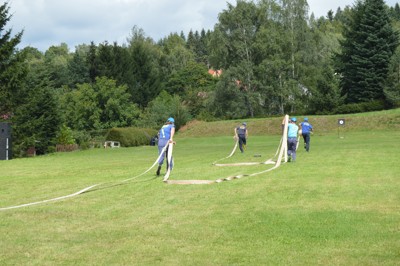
(112, 144)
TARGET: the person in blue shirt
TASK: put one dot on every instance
(306, 130)
(292, 139)
(165, 136)
(241, 134)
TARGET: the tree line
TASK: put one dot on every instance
(272, 58)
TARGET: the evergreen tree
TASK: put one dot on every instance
(395, 12)
(144, 58)
(92, 62)
(57, 59)
(392, 88)
(12, 69)
(326, 97)
(369, 44)
(120, 65)
(105, 60)
(78, 68)
(37, 121)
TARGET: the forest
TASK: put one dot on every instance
(262, 58)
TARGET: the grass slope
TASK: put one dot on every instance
(337, 205)
(389, 119)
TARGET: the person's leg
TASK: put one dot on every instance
(294, 150)
(244, 143)
(305, 140)
(241, 144)
(161, 145)
(292, 143)
(172, 159)
(289, 150)
(158, 170)
(161, 160)
(308, 142)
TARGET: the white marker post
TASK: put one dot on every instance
(341, 123)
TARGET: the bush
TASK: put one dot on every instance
(82, 138)
(354, 108)
(131, 136)
(65, 136)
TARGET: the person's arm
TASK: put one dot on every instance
(247, 133)
(236, 135)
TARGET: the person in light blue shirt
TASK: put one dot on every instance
(306, 130)
(293, 130)
(165, 136)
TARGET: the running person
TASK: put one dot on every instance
(165, 136)
(306, 129)
(241, 134)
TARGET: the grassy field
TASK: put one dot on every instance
(339, 204)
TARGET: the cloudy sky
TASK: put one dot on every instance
(51, 22)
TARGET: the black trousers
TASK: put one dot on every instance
(306, 138)
(242, 142)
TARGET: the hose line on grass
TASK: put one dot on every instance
(230, 155)
(87, 189)
(282, 150)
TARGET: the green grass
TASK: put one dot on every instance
(337, 205)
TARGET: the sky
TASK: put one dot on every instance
(52, 22)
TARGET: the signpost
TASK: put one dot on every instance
(341, 123)
(5, 141)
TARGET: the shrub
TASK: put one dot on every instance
(131, 136)
(360, 107)
(65, 136)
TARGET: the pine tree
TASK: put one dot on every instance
(369, 44)
(12, 69)
(92, 62)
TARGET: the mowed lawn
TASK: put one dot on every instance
(339, 204)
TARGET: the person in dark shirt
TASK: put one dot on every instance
(241, 134)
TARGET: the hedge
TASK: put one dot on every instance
(131, 136)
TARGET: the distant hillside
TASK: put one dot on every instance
(383, 120)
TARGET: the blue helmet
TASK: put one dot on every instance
(306, 119)
(244, 123)
(171, 120)
(293, 119)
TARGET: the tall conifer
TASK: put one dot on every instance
(369, 44)
(12, 70)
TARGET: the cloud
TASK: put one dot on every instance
(321, 8)
(52, 22)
